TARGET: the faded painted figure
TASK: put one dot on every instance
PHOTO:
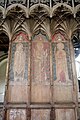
(19, 63)
(61, 63)
(40, 55)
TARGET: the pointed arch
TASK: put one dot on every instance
(40, 33)
(18, 33)
(61, 33)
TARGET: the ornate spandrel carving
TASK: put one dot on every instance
(46, 2)
(62, 1)
(17, 1)
(69, 2)
(37, 114)
(19, 60)
(33, 2)
(17, 114)
(61, 60)
(40, 61)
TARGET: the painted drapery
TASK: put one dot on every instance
(19, 58)
(62, 69)
(40, 60)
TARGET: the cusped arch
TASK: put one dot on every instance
(40, 33)
(61, 33)
(25, 9)
(19, 32)
(24, 30)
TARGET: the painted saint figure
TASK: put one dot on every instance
(40, 58)
(61, 63)
(19, 62)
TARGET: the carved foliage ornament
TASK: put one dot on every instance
(17, 1)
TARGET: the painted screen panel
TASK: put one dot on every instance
(17, 114)
(19, 59)
(40, 70)
(40, 60)
(65, 114)
(19, 69)
(40, 114)
(62, 69)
